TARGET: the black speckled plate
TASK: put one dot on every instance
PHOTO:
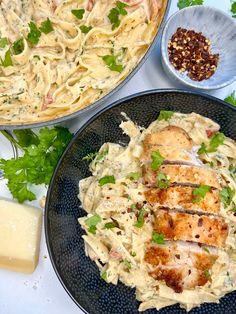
(77, 273)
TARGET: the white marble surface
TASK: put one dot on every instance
(41, 292)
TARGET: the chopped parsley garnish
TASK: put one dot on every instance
(104, 276)
(46, 26)
(110, 61)
(226, 196)
(188, 3)
(115, 13)
(231, 168)
(140, 221)
(134, 176)
(106, 180)
(233, 9)
(101, 155)
(109, 225)
(7, 60)
(165, 115)
(127, 263)
(41, 153)
(157, 160)
(200, 192)
(158, 238)
(18, 46)
(90, 156)
(133, 206)
(207, 273)
(78, 13)
(85, 29)
(206, 249)
(231, 99)
(34, 34)
(162, 181)
(216, 141)
(3, 42)
(133, 254)
(92, 222)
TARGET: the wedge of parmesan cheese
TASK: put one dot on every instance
(20, 233)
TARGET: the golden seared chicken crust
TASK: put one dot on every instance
(191, 227)
(181, 197)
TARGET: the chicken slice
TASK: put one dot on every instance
(169, 136)
(183, 174)
(181, 198)
(181, 265)
(191, 227)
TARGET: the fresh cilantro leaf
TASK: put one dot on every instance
(216, 141)
(110, 61)
(140, 221)
(90, 156)
(134, 175)
(101, 155)
(78, 13)
(226, 196)
(202, 149)
(85, 29)
(104, 276)
(127, 264)
(231, 99)
(46, 26)
(109, 225)
(206, 249)
(162, 181)
(158, 238)
(18, 46)
(207, 273)
(106, 180)
(92, 222)
(36, 166)
(187, 3)
(200, 192)
(133, 206)
(34, 34)
(165, 115)
(3, 42)
(157, 160)
(233, 9)
(115, 12)
(7, 62)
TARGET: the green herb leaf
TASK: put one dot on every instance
(46, 26)
(226, 196)
(127, 264)
(36, 166)
(115, 12)
(157, 160)
(109, 225)
(3, 42)
(110, 61)
(104, 276)
(187, 3)
(7, 62)
(158, 238)
(18, 46)
(165, 115)
(207, 274)
(134, 176)
(90, 156)
(216, 141)
(78, 13)
(140, 221)
(233, 9)
(202, 149)
(34, 34)
(231, 99)
(106, 180)
(133, 206)
(200, 192)
(92, 222)
(101, 155)
(85, 29)
(162, 181)
(133, 254)
(206, 249)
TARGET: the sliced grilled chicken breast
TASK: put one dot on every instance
(169, 136)
(181, 198)
(181, 265)
(191, 227)
(183, 174)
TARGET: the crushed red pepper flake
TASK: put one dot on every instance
(190, 52)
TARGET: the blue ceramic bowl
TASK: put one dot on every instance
(220, 29)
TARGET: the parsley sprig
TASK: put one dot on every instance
(233, 9)
(200, 192)
(162, 181)
(140, 221)
(92, 222)
(226, 196)
(231, 99)
(3, 42)
(216, 141)
(158, 238)
(40, 156)
(112, 64)
(187, 3)
(18, 46)
(115, 13)
(165, 115)
(7, 61)
(157, 160)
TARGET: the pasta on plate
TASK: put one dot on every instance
(161, 211)
(59, 56)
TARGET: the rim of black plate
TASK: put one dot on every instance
(104, 98)
(112, 105)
